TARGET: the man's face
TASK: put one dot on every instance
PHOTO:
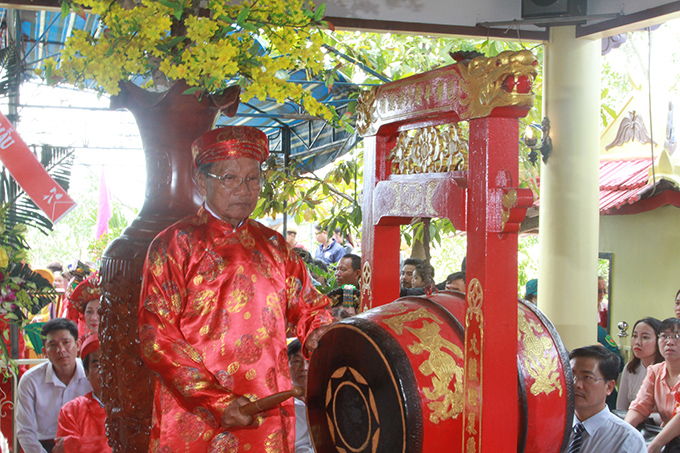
(61, 350)
(231, 205)
(92, 315)
(291, 238)
(345, 274)
(321, 237)
(456, 285)
(590, 387)
(92, 373)
(60, 282)
(601, 289)
(669, 346)
(298, 370)
(407, 275)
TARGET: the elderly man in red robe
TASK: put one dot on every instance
(218, 294)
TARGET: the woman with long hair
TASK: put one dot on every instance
(644, 343)
(658, 390)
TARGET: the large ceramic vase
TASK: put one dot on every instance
(168, 123)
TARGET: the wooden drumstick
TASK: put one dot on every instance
(270, 401)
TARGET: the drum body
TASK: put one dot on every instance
(391, 380)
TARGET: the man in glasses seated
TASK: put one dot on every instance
(595, 428)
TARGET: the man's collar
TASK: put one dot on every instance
(594, 422)
(207, 208)
(51, 374)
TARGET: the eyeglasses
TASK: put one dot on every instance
(587, 379)
(601, 291)
(669, 337)
(233, 182)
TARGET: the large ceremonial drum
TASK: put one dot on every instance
(390, 380)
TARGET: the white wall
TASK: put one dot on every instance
(646, 265)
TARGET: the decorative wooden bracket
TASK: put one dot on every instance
(508, 206)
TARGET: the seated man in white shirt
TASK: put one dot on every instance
(298, 375)
(44, 389)
(596, 429)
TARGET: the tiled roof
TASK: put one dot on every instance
(624, 188)
(622, 182)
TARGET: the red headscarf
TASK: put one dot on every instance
(86, 291)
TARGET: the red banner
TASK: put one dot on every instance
(31, 175)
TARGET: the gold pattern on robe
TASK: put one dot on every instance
(242, 291)
(444, 403)
(430, 150)
(184, 349)
(538, 360)
(202, 303)
(292, 288)
(274, 443)
(189, 380)
(152, 351)
(156, 261)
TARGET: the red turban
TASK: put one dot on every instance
(90, 345)
(230, 142)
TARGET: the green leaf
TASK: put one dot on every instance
(242, 17)
(249, 27)
(170, 4)
(65, 9)
(320, 12)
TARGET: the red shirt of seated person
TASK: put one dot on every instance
(81, 426)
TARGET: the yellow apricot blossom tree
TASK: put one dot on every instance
(210, 44)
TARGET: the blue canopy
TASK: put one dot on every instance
(311, 141)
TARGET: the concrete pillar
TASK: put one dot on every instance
(569, 214)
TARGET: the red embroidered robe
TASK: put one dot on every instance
(214, 309)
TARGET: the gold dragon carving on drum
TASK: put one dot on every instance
(441, 365)
(540, 364)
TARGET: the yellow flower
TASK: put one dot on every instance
(275, 36)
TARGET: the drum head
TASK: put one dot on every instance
(362, 395)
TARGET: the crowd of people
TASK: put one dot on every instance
(222, 298)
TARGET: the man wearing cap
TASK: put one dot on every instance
(218, 293)
(531, 291)
(82, 421)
